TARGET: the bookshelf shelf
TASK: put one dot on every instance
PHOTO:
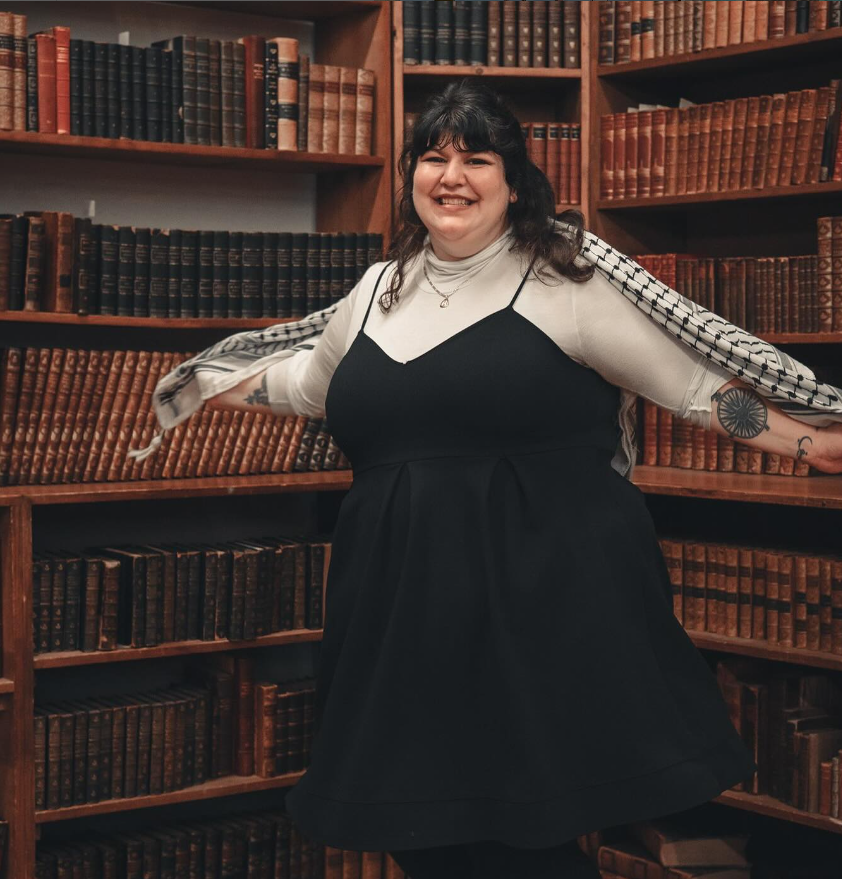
(823, 491)
(157, 323)
(6, 686)
(434, 73)
(230, 785)
(100, 492)
(765, 805)
(762, 650)
(65, 659)
(728, 58)
(301, 11)
(106, 149)
(703, 199)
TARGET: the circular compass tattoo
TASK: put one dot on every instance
(741, 412)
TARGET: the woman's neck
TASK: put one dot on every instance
(448, 252)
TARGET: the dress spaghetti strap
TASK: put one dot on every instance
(520, 286)
(376, 285)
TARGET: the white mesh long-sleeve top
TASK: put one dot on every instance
(591, 322)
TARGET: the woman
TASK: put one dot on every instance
(501, 669)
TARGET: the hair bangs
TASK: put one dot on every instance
(464, 127)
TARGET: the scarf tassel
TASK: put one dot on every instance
(143, 454)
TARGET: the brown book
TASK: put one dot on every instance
(35, 267)
(46, 73)
(49, 361)
(144, 422)
(764, 119)
(804, 135)
(735, 173)
(775, 149)
(364, 112)
(823, 108)
(265, 700)
(493, 40)
(347, 110)
(761, 25)
(43, 469)
(330, 116)
(705, 120)
(58, 262)
(79, 411)
(510, 33)
(62, 49)
(215, 429)
(644, 153)
(165, 465)
(712, 27)
(94, 432)
(10, 380)
(524, 33)
(127, 424)
(7, 67)
(288, 106)
(735, 23)
(105, 443)
(239, 445)
(19, 31)
(622, 25)
(749, 21)
(254, 47)
(181, 456)
(606, 156)
(750, 145)
(205, 419)
(724, 167)
(539, 33)
(710, 170)
(790, 135)
(315, 108)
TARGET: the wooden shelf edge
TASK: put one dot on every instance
(700, 59)
(230, 785)
(823, 491)
(99, 492)
(831, 187)
(6, 686)
(64, 659)
(762, 650)
(765, 805)
(484, 70)
(111, 148)
(159, 323)
(295, 10)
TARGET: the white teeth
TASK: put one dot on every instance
(462, 201)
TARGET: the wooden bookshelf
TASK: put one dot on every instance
(228, 786)
(436, 73)
(766, 805)
(337, 193)
(71, 658)
(762, 650)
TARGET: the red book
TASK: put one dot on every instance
(46, 67)
(254, 90)
(62, 38)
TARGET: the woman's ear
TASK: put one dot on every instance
(512, 195)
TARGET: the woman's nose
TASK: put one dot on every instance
(453, 173)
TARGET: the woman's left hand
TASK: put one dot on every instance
(829, 452)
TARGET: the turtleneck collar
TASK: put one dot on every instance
(451, 270)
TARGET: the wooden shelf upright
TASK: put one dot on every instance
(345, 192)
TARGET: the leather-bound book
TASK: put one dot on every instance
(303, 99)
(188, 300)
(347, 111)
(270, 95)
(509, 34)
(108, 267)
(45, 48)
(254, 53)
(286, 86)
(234, 273)
(790, 136)
(58, 261)
(265, 699)
(10, 380)
(443, 45)
(19, 229)
(153, 75)
(204, 288)
(125, 270)
(738, 142)
(219, 275)
(37, 431)
(140, 287)
(137, 113)
(17, 70)
(226, 97)
(43, 469)
(817, 139)
(364, 112)
(804, 135)
(767, 173)
(36, 361)
(166, 96)
(107, 424)
(35, 264)
(159, 254)
(315, 109)
(644, 155)
(460, 33)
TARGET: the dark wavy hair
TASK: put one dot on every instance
(474, 118)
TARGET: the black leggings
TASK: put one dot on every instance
(496, 860)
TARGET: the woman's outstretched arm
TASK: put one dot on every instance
(739, 412)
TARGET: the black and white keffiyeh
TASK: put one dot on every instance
(771, 372)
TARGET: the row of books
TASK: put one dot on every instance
(791, 721)
(556, 148)
(778, 596)
(53, 261)
(70, 415)
(155, 742)
(529, 33)
(637, 31)
(255, 92)
(103, 598)
(740, 144)
(670, 441)
(240, 845)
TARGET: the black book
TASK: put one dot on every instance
(31, 84)
(361, 255)
(239, 94)
(124, 74)
(140, 289)
(159, 257)
(205, 289)
(177, 95)
(411, 33)
(101, 89)
(324, 268)
(153, 93)
(427, 31)
(349, 275)
(478, 33)
(72, 602)
(226, 89)
(337, 265)
(138, 56)
(283, 303)
(131, 605)
(203, 91)
(58, 601)
(17, 262)
(112, 89)
(174, 275)
(461, 45)
(188, 274)
(93, 257)
(802, 17)
(375, 247)
(834, 14)
(270, 95)
(184, 113)
(125, 271)
(215, 92)
(108, 266)
(444, 33)
(270, 274)
(82, 264)
(219, 293)
(166, 96)
(312, 272)
(235, 274)
(75, 86)
(298, 286)
(252, 273)
(212, 564)
(88, 88)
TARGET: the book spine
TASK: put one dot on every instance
(270, 95)
(46, 73)
(287, 90)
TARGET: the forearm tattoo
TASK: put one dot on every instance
(742, 413)
(259, 395)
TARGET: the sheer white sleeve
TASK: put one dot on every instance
(630, 350)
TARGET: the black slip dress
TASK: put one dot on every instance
(500, 660)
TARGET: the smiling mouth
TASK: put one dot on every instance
(465, 202)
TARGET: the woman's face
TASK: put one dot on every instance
(462, 198)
